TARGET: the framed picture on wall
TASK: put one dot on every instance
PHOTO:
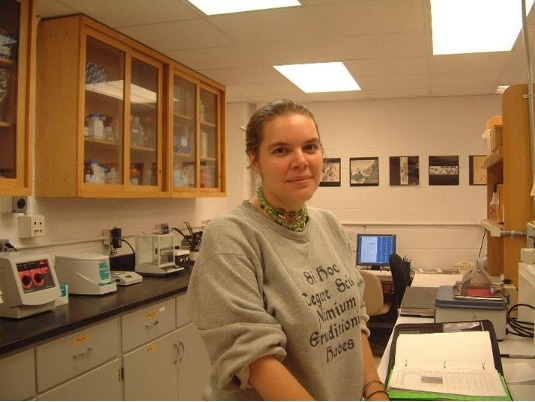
(404, 171)
(444, 170)
(364, 171)
(330, 175)
(478, 173)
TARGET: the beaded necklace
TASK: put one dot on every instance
(293, 220)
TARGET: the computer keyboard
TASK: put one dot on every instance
(379, 272)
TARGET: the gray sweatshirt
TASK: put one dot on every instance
(259, 289)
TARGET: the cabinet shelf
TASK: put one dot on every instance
(208, 124)
(208, 159)
(183, 155)
(493, 227)
(6, 124)
(142, 149)
(102, 142)
(183, 116)
(7, 62)
(493, 158)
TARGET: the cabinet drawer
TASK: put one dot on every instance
(17, 376)
(100, 384)
(182, 315)
(148, 323)
(73, 354)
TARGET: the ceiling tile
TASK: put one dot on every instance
(219, 57)
(462, 91)
(120, 13)
(244, 75)
(472, 79)
(398, 93)
(338, 96)
(467, 62)
(393, 82)
(406, 44)
(377, 67)
(368, 17)
(268, 25)
(261, 89)
(303, 98)
(511, 77)
(53, 8)
(177, 35)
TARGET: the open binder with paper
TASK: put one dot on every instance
(445, 365)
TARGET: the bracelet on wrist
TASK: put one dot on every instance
(379, 391)
(368, 385)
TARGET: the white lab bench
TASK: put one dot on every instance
(511, 344)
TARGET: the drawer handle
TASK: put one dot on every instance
(181, 350)
(152, 324)
(77, 355)
(177, 353)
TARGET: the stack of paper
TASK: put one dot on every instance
(456, 365)
(419, 301)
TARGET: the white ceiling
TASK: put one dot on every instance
(385, 44)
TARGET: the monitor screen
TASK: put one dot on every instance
(375, 249)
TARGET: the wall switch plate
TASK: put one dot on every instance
(31, 226)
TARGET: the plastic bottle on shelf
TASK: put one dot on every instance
(111, 176)
(203, 114)
(96, 126)
(494, 205)
(136, 132)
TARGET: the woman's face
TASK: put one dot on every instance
(289, 161)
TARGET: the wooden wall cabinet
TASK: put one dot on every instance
(510, 164)
(115, 117)
(17, 79)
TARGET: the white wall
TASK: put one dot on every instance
(422, 127)
(435, 225)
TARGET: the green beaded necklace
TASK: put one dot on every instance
(293, 220)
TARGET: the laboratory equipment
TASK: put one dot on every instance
(125, 278)
(375, 249)
(28, 284)
(85, 273)
(155, 254)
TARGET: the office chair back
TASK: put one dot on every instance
(373, 294)
(399, 277)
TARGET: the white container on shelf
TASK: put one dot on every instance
(96, 126)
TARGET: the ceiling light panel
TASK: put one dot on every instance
(320, 77)
(213, 7)
(461, 26)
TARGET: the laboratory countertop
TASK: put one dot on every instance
(84, 310)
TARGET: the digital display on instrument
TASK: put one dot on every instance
(35, 275)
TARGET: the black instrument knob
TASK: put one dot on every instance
(26, 280)
(38, 278)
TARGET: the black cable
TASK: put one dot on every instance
(520, 328)
(126, 241)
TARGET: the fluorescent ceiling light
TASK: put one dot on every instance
(473, 26)
(320, 77)
(211, 7)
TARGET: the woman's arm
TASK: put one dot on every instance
(272, 380)
(370, 373)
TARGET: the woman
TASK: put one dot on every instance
(274, 290)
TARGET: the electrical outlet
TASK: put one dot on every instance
(112, 237)
(163, 228)
(107, 237)
(13, 204)
(31, 226)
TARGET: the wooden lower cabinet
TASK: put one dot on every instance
(100, 384)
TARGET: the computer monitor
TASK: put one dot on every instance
(375, 249)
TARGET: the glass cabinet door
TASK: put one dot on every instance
(104, 116)
(209, 140)
(184, 133)
(143, 124)
(9, 36)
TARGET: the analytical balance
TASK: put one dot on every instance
(28, 284)
(155, 254)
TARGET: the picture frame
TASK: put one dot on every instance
(477, 170)
(364, 171)
(444, 170)
(331, 172)
(404, 170)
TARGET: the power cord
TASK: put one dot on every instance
(6, 246)
(519, 328)
(129, 245)
(482, 241)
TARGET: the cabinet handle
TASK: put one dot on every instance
(152, 324)
(177, 353)
(181, 350)
(77, 355)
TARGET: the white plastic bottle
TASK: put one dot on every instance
(494, 205)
